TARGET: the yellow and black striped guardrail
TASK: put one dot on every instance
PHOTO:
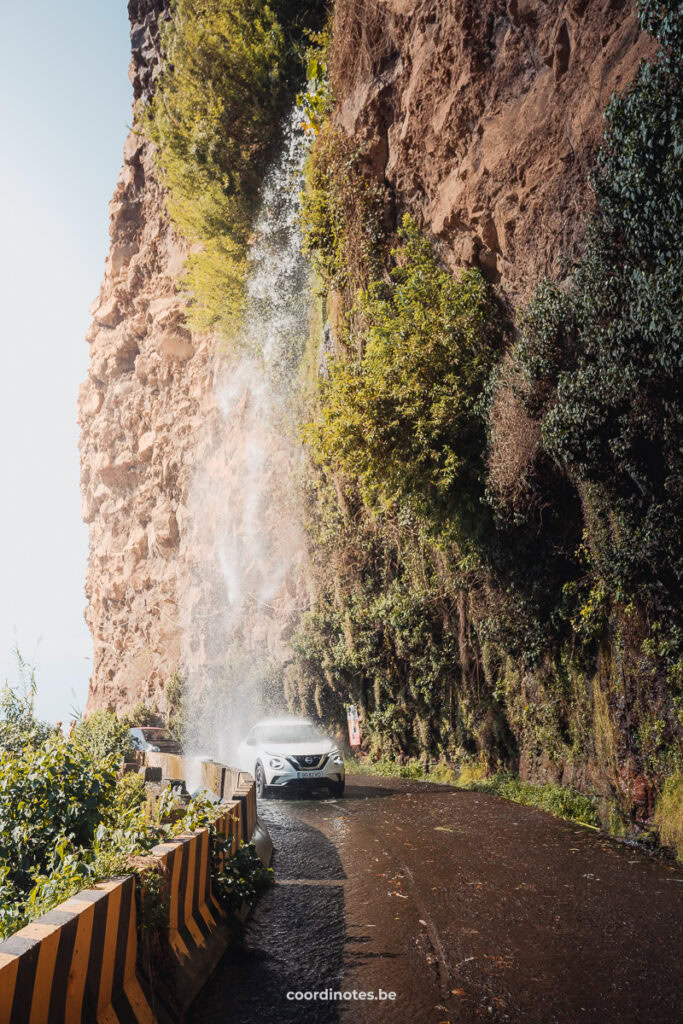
(193, 912)
(79, 963)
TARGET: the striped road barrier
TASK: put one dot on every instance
(77, 963)
(199, 931)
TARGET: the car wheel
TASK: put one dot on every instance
(337, 788)
(260, 779)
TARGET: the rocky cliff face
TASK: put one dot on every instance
(185, 453)
(139, 412)
(483, 117)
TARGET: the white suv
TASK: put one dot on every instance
(290, 753)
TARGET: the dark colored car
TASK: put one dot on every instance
(157, 740)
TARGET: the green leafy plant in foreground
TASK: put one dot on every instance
(49, 795)
(242, 879)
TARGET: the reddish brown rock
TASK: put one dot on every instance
(483, 117)
(643, 797)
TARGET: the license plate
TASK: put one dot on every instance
(309, 775)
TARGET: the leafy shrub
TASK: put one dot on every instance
(19, 727)
(403, 419)
(102, 735)
(342, 213)
(605, 360)
(242, 879)
(471, 772)
(47, 796)
(66, 821)
(316, 102)
(142, 714)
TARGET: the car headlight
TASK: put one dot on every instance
(336, 757)
(276, 762)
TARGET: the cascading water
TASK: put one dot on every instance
(243, 538)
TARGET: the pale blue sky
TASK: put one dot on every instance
(65, 103)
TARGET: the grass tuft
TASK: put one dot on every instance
(561, 801)
(669, 814)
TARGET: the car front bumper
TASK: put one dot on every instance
(292, 777)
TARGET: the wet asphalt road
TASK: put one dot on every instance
(466, 906)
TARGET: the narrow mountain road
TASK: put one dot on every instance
(467, 907)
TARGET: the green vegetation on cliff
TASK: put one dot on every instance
(494, 530)
(492, 514)
(402, 419)
(229, 74)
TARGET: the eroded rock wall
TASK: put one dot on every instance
(483, 117)
(140, 412)
(195, 551)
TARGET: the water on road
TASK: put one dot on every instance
(464, 906)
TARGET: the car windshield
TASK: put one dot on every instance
(293, 732)
(155, 735)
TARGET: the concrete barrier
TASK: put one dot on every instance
(219, 779)
(245, 792)
(199, 932)
(172, 765)
(193, 913)
(229, 827)
(79, 964)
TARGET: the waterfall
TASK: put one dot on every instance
(243, 536)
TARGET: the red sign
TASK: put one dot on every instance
(354, 725)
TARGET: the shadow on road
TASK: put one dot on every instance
(293, 943)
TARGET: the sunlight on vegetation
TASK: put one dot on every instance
(493, 516)
(69, 818)
(403, 419)
(561, 801)
(669, 813)
(230, 72)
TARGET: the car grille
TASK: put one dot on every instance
(308, 762)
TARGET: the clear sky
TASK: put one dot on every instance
(65, 103)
